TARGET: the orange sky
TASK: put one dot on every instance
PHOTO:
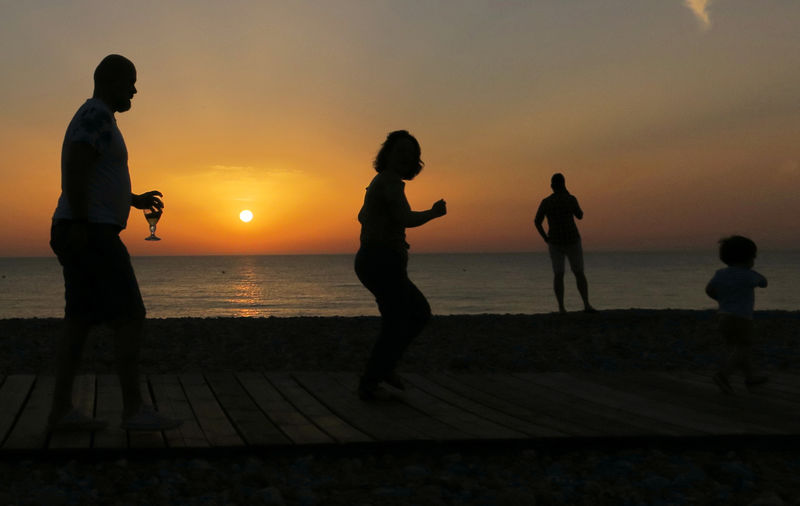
(674, 122)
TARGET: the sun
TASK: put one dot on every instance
(246, 216)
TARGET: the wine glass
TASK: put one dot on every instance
(152, 218)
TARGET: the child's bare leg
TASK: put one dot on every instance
(731, 362)
(751, 378)
(743, 352)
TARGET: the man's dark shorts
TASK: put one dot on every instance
(99, 282)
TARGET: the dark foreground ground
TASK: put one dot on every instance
(428, 477)
(608, 341)
(734, 473)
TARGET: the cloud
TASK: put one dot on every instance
(700, 10)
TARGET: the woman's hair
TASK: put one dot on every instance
(382, 158)
(737, 250)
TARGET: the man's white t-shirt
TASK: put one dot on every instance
(109, 191)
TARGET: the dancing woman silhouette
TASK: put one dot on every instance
(382, 260)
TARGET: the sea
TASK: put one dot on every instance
(459, 283)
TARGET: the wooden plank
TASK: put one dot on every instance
(378, 420)
(789, 378)
(251, 424)
(13, 394)
(299, 429)
(778, 401)
(666, 388)
(146, 439)
(780, 381)
(771, 390)
(171, 401)
(519, 428)
(783, 381)
(280, 408)
(704, 381)
(315, 411)
(83, 394)
(765, 404)
(30, 431)
(784, 384)
(579, 416)
(428, 421)
(534, 421)
(519, 417)
(109, 407)
(737, 381)
(633, 403)
(215, 425)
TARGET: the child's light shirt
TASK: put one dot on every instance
(734, 289)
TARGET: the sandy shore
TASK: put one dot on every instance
(609, 340)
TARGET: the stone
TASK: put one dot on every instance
(769, 498)
(270, 496)
(415, 471)
(198, 465)
(305, 497)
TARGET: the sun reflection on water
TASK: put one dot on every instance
(248, 292)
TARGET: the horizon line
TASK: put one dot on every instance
(497, 252)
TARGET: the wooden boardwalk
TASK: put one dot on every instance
(298, 409)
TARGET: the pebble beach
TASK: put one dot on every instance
(608, 341)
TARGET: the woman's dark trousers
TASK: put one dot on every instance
(404, 310)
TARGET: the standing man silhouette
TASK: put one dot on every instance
(100, 285)
(562, 238)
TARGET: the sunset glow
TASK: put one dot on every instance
(246, 216)
(675, 122)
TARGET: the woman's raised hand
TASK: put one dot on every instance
(439, 208)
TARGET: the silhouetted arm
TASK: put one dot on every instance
(711, 290)
(411, 219)
(761, 281)
(537, 221)
(79, 162)
(401, 209)
(578, 212)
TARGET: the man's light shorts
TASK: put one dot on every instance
(573, 252)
